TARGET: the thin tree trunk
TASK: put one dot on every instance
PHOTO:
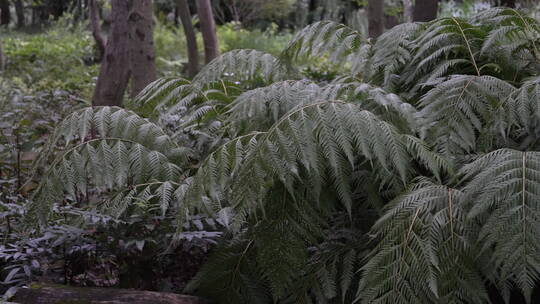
(2, 59)
(143, 54)
(425, 10)
(114, 73)
(191, 38)
(96, 28)
(390, 21)
(408, 10)
(208, 29)
(5, 16)
(508, 3)
(375, 18)
(19, 10)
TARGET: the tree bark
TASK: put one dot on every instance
(508, 3)
(96, 28)
(375, 18)
(408, 10)
(5, 16)
(54, 294)
(19, 11)
(208, 30)
(114, 73)
(143, 54)
(390, 21)
(425, 10)
(2, 58)
(191, 38)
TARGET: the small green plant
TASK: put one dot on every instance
(62, 58)
(233, 36)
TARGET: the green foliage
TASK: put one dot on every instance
(232, 36)
(62, 58)
(409, 177)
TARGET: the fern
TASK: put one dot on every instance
(326, 38)
(448, 44)
(391, 53)
(465, 110)
(410, 177)
(421, 252)
(241, 66)
(108, 148)
(503, 195)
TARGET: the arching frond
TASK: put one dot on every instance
(388, 106)
(511, 28)
(208, 190)
(155, 197)
(162, 93)
(422, 255)
(466, 111)
(273, 253)
(331, 274)
(230, 274)
(317, 145)
(504, 196)
(512, 43)
(105, 148)
(524, 109)
(392, 52)
(259, 109)
(241, 66)
(326, 38)
(446, 45)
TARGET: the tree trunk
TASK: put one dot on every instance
(408, 10)
(5, 16)
(191, 38)
(425, 10)
(19, 10)
(96, 28)
(54, 294)
(375, 18)
(208, 30)
(114, 73)
(508, 3)
(2, 59)
(390, 21)
(143, 54)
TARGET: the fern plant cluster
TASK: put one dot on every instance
(412, 177)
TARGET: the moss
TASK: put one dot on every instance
(36, 286)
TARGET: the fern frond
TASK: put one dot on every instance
(464, 108)
(241, 66)
(512, 43)
(230, 275)
(326, 38)
(259, 109)
(209, 189)
(503, 195)
(161, 93)
(320, 144)
(106, 148)
(524, 110)
(443, 40)
(421, 252)
(392, 52)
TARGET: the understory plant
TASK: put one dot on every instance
(411, 175)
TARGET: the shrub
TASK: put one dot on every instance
(410, 177)
(61, 58)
